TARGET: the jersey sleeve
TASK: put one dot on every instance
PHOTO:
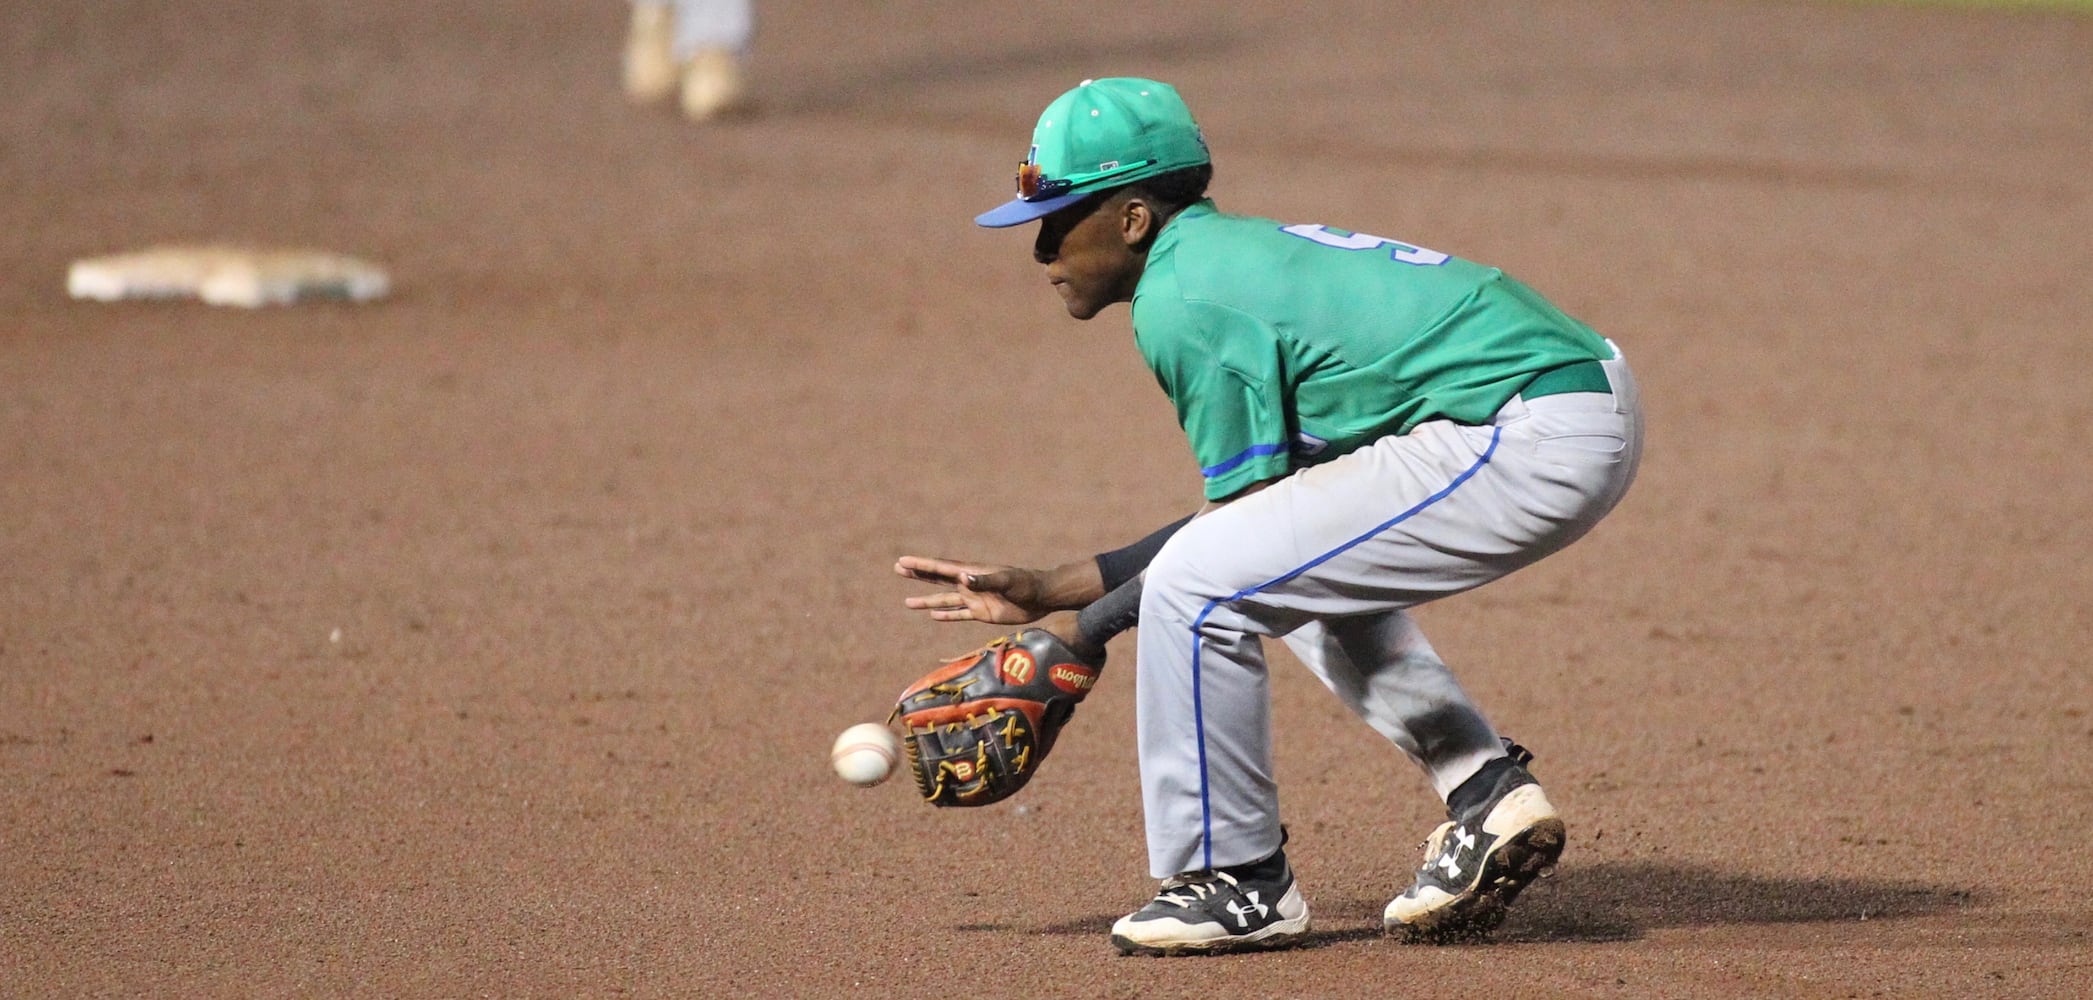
(1224, 371)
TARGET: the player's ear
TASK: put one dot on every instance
(1137, 222)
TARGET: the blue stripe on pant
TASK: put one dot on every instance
(1206, 816)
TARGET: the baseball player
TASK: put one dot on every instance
(1378, 425)
(690, 47)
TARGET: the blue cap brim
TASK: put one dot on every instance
(1018, 211)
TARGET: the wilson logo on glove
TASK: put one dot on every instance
(1017, 667)
(1073, 679)
(977, 727)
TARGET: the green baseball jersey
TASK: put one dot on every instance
(1284, 346)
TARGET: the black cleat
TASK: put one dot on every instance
(1476, 864)
(1209, 912)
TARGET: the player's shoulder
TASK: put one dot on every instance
(1174, 326)
(1207, 255)
(1208, 234)
(1160, 311)
(1209, 273)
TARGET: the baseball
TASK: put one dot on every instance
(865, 754)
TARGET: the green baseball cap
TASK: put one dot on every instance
(1103, 134)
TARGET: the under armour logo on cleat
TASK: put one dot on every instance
(1450, 859)
(1242, 913)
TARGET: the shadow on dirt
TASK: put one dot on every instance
(1621, 901)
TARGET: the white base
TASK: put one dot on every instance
(227, 276)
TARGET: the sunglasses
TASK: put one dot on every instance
(1034, 185)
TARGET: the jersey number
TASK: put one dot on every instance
(1398, 250)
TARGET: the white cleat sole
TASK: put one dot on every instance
(1172, 937)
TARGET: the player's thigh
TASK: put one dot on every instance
(1383, 528)
(1219, 558)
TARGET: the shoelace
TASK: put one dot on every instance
(1188, 890)
(1431, 842)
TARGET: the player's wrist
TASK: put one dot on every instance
(1070, 586)
(1120, 565)
(1067, 627)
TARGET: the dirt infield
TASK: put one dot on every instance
(488, 640)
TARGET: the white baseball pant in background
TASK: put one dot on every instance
(709, 24)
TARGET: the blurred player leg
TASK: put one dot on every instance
(711, 39)
(650, 62)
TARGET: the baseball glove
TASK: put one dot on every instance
(977, 727)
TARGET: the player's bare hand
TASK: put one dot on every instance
(980, 592)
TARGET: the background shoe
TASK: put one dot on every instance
(1477, 864)
(1210, 912)
(650, 66)
(712, 84)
